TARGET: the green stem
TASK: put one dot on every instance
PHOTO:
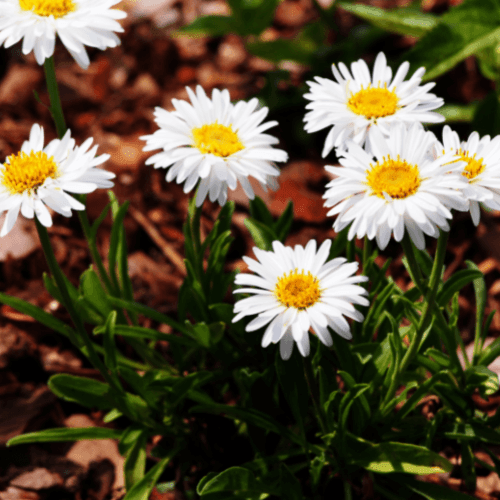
(84, 221)
(55, 100)
(414, 268)
(313, 391)
(430, 299)
(58, 116)
(347, 491)
(59, 277)
(366, 254)
(351, 250)
(416, 275)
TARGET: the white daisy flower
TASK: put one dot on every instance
(403, 188)
(38, 177)
(357, 103)
(76, 22)
(216, 142)
(482, 168)
(296, 289)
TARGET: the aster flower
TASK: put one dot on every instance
(295, 290)
(216, 143)
(357, 103)
(481, 158)
(76, 22)
(402, 189)
(38, 177)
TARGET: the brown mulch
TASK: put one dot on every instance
(113, 102)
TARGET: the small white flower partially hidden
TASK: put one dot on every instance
(76, 22)
(38, 177)
(403, 189)
(359, 102)
(216, 143)
(295, 290)
(481, 158)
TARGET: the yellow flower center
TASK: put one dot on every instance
(373, 102)
(217, 139)
(27, 172)
(473, 168)
(297, 290)
(56, 8)
(397, 178)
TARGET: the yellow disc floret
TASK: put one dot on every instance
(217, 139)
(27, 172)
(473, 168)
(397, 178)
(373, 102)
(46, 8)
(297, 289)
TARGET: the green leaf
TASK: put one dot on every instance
(109, 342)
(261, 234)
(209, 25)
(115, 239)
(149, 313)
(235, 479)
(290, 486)
(481, 297)
(423, 390)
(283, 224)
(458, 113)
(487, 116)
(456, 283)
(462, 31)
(483, 379)
(39, 314)
(94, 294)
(291, 379)
(140, 332)
(64, 434)
(389, 457)
(438, 356)
(250, 416)
(142, 489)
(251, 17)
(403, 21)
(283, 50)
(260, 212)
(490, 353)
(133, 446)
(85, 391)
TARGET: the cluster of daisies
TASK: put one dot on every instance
(394, 177)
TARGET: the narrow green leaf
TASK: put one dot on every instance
(234, 479)
(482, 379)
(64, 434)
(403, 21)
(85, 391)
(456, 283)
(209, 25)
(291, 379)
(133, 446)
(253, 417)
(461, 32)
(140, 332)
(94, 294)
(109, 342)
(149, 313)
(389, 457)
(261, 234)
(39, 314)
(143, 488)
